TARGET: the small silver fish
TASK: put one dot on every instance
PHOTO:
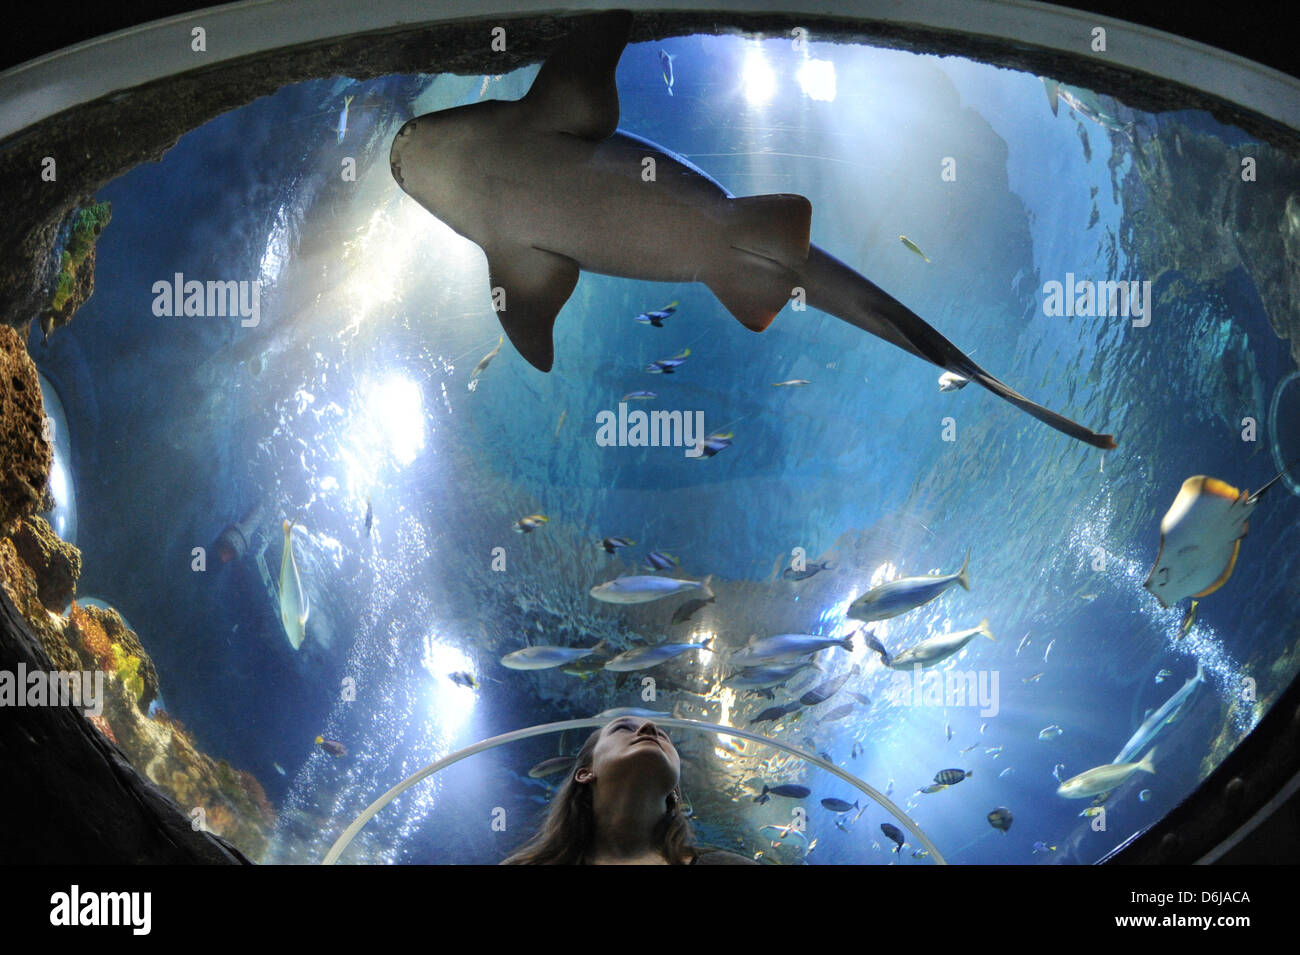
(638, 590)
(784, 647)
(294, 604)
(666, 67)
(644, 658)
(906, 594)
(913, 247)
(1050, 644)
(1163, 675)
(483, 363)
(837, 714)
(1006, 772)
(1050, 732)
(545, 657)
(1058, 771)
(342, 129)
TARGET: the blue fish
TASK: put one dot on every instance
(667, 366)
(715, 443)
(788, 790)
(791, 574)
(658, 560)
(639, 396)
(666, 64)
(657, 316)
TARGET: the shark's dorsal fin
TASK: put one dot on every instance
(575, 91)
(536, 284)
(775, 227)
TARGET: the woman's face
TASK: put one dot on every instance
(635, 749)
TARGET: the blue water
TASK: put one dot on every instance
(356, 383)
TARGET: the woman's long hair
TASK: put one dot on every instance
(569, 830)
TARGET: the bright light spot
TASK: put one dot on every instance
(399, 411)
(757, 76)
(883, 574)
(452, 703)
(726, 746)
(277, 250)
(61, 491)
(817, 80)
(387, 422)
(381, 259)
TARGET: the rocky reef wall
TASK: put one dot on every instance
(114, 786)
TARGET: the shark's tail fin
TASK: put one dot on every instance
(974, 372)
(835, 288)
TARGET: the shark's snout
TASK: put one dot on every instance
(395, 153)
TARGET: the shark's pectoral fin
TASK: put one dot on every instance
(529, 287)
(574, 91)
(754, 292)
(770, 237)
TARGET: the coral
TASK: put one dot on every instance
(101, 724)
(94, 638)
(57, 564)
(20, 583)
(76, 281)
(108, 645)
(257, 795)
(23, 448)
(97, 648)
(128, 671)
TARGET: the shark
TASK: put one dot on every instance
(548, 186)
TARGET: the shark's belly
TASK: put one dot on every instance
(595, 204)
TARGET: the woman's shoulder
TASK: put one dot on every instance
(708, 855)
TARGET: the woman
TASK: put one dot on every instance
(621, 805)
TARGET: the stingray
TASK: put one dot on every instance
(1200, 538)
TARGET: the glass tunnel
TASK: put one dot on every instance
(303, 446)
